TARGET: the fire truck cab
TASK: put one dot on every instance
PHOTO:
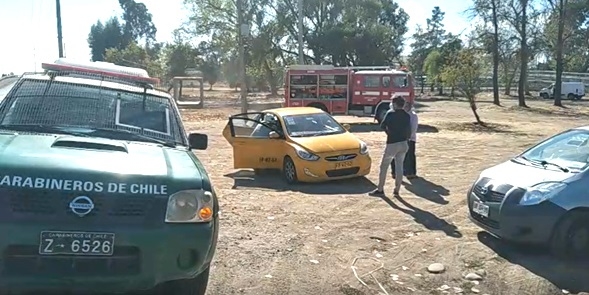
(360, 91)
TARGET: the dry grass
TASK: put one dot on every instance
(270, 232)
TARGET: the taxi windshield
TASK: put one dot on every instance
(307, 125)
(569, 150)
(38, 105)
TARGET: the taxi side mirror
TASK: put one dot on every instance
(197, 141)
(347, 126)
(274, 135)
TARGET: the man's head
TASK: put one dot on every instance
(398, 102)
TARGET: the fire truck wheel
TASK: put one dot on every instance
(319, 106)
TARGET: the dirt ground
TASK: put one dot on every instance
(305, 239)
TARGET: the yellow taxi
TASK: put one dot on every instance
(306, 144)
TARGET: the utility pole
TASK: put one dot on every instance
(242, 32)
(59, 36)
(300, 23)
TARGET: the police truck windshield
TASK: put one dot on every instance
(86, 107)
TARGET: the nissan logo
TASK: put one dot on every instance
(81, 206)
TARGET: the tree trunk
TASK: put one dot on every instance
(473, 107)
(495, 54)
(523, 70)
(559, 52)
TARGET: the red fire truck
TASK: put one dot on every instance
(360, 91)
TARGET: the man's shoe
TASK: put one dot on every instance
(376, 193)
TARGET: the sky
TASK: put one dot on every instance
(29, 29)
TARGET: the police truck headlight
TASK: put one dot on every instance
(541, 192)
(363, 148)
(190, 206)
(305, 155)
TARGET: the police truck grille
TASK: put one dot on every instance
(21, 260)
(338, 158)
(53, 206)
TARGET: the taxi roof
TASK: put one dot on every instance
(295, 111)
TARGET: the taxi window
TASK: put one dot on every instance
(312, 125)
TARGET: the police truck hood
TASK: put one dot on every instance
(523, 175)
(95, 165)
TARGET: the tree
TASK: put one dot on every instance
(560, 7)
(488, 10)
(178, 57)
(138, 22)
(426, 40)
(105, 36)
(137, 25)
(433, 66)
(466, 72)
(135, 56)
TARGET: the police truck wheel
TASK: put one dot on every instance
(571, 96)
(289, 171)
(194, 286)
(570, 240)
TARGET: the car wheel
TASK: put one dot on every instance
(289, 171)
(544, 96)
(194, 286)
(570, 239)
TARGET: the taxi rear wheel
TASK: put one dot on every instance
(289, 171)
(570, 239)
(194, 286)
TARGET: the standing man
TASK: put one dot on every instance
(397, 125)
(410, 164)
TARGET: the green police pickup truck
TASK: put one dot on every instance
(99, 189)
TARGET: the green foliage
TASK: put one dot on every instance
(466, 72)
(135, 56)
(137, 25)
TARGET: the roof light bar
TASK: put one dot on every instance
(102, 68)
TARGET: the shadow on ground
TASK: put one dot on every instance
(428, 190)
(429, 220)
(483, 128)
(564, 275)
(372, 127)
(273, 181)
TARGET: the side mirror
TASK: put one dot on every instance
(274, 135)
(347, 126)
(197, 141)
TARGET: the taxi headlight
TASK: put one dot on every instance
(541, 192)
(363, 148)
(190, 206)
(305, 155)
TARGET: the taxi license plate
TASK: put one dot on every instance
(76, 243)
(344, 164)
(480, 208)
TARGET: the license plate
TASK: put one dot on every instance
(480, 208)
(76, 243)
(345, 164)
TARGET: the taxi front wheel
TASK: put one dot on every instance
(570, 239)
(289, 171)
(194, 286)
